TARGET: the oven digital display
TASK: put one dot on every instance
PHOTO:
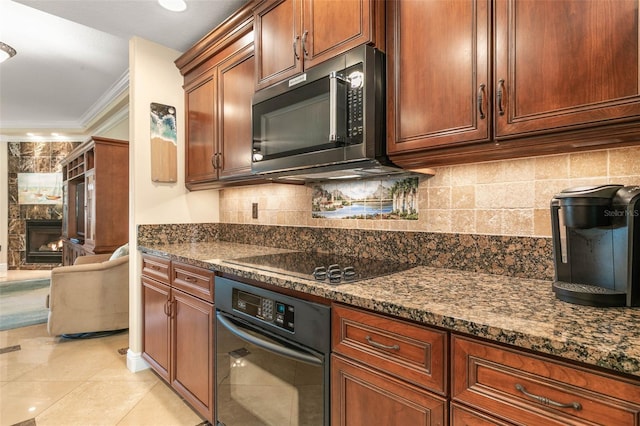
(274, 312)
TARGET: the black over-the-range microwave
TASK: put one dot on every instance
(328, 122)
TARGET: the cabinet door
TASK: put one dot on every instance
(438, 71)
(200, 147)
(155, 325)
(360, 396)
(236, 88)
(192, 349)
(332, 27)
(563, 64)
(277, 26)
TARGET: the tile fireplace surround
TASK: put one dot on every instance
(30, 157)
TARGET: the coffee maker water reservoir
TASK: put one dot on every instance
(596, 245)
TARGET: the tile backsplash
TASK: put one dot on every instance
(504, 198)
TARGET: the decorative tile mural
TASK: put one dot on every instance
(392, 198)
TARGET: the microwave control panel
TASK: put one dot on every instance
(355, 102)
(276, 313)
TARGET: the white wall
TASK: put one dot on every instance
(154, 78)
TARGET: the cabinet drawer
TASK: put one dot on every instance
(413, 353)
(193, 280)
(528, 389)
(157, 268)
(461, 416)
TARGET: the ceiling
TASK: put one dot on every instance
(72, 58)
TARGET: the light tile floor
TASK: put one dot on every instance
(47, 380)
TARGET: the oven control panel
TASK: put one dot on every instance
(277, 313)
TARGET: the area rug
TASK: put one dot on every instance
(22, 303)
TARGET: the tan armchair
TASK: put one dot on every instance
(92, 295)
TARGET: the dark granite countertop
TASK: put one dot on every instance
(516, 311)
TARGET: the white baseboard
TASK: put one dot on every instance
(135, 362)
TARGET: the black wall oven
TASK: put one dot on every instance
(272, 361)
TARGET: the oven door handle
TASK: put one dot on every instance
(267, 345)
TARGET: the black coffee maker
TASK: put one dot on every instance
(596, 245)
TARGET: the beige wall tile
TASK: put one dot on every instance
(492, 172)
(545, 190)
(506, 198)
(552, 167)
(542, 222)
(463, 197)
(439, 197)
(522, 170)
(442, 177)
(491, 196)
(489, 221)
(588, 164)
(440, 220)
(624, 161)
(464, 175)
(463, 221)
(519, 195)
(517, 222)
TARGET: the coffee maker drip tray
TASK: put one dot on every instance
(590, 295)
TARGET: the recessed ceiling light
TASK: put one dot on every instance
(7, 51)
(173, 5)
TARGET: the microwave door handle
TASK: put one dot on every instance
(267, 345)
(336, 88)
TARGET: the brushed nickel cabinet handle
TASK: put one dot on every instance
(546, 401)
(481, 101)
(499, 96)
(381, 346)
(295, 50)
(304, 44)
(214, 161)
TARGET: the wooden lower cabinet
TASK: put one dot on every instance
(178, 340)
(363, 396)
(386, 371)
(156, 297)
(525, 389)
(192, 335)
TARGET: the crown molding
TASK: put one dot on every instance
(82, 129)
(117, 90)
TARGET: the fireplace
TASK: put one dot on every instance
(43, 241)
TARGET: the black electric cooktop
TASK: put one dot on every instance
(322, 267)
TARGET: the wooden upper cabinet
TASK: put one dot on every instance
(219, 84)
(293, 35)
(236, 88)
(562, 64)
(480, 80)
(437, 73)
(201, 143)
(331, 27)
(277, 26)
